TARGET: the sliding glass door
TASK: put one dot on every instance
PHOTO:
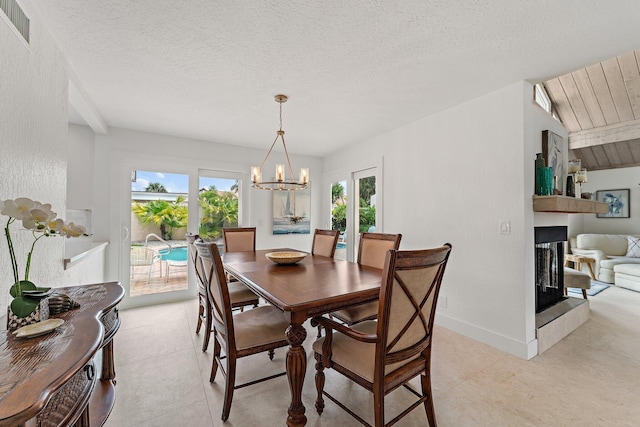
(159, 217)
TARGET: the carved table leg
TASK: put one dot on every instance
(296, 368)
(108, 365)
(319, 383)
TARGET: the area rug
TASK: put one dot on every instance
(596, 288)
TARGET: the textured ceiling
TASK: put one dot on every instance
(352, 70)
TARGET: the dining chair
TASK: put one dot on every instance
(239, 239)
(240, 296)
(324, 242)
(371, 253)
(242, 334)
(382, 355)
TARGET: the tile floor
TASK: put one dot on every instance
(591, 378)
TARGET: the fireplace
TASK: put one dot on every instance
(549, 267)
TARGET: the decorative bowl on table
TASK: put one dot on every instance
(37, 329)
(286, 257)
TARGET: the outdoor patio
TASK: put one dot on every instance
(161, 279)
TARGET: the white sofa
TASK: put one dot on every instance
(612, 264)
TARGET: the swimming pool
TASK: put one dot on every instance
(341, 246)
(177, 254)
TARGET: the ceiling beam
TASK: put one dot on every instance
(83, 104)
(605, 135)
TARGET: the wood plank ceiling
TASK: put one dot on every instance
(600, 107)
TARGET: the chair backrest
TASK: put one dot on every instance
(407, 305)
(239, 239)
(193, 256)
(142, 255)
(374, 246)
(324, 242)
(215, 280)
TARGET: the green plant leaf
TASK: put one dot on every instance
(22, 307)
(24, 285)
(35, 294)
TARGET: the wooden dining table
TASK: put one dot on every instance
(314, 286)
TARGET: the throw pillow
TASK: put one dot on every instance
(633, 247)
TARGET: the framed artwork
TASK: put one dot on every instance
(552, 151)
(618, 201)
(291, 211)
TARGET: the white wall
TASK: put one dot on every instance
(612, 179)
(452, 177)
(33, 145)
(80, 177)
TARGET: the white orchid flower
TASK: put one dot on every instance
(56, 225)
(17, 208)
(74, 230)
(41, 214)
(29, 222)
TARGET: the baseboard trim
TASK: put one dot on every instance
(517, 348)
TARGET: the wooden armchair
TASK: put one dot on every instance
(243, 334)
(239, 294)
(385, 354)
(371, 253)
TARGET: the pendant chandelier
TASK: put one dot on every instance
(279, 182)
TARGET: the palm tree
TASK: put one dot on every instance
(219, 209)
(337, 192)
(168, 215)
(155, 187)
(367, 188)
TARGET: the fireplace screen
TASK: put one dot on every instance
(549, 252)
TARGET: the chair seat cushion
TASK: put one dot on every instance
(576, 279)
(630, 269)
(358, 313)
(611, 262)
(356, 356)
(239, 293)
(259, 326)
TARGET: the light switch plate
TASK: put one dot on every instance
(505, 227)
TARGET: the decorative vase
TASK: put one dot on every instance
(540, 163)
(544, 181)
(570, 186)
(38, 315)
